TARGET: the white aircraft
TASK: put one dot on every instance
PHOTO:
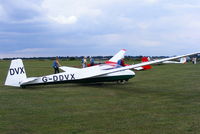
(182, 60)
(101, 73)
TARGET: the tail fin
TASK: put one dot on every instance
(118, 56)
(146, 59)
(183, 60)
(16, 73)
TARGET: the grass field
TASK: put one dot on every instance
(163, 100)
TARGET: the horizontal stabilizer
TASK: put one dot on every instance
(138, 68)
(28, 80)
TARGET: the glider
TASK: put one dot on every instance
(182, 60)
(101, 73)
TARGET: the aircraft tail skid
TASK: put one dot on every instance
(16, 73)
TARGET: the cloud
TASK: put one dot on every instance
(3, 14)
(21, 12)
(87, 26)
(68, 12)
(143, 25)
(64, 20)
(30, 50)
(183, 6)
(151, 1)
(149, 43)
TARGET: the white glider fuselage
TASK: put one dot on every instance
(99, 73)
(84, 75)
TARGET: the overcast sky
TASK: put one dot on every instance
(90, 27)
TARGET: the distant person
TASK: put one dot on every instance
(56, 65)
(84, 62)
(149, 59)
(91, 61)
(121, 62)
(194, 60)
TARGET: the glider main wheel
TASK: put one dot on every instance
(23, 87)
(121, 81)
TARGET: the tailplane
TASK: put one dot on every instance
(16, 73)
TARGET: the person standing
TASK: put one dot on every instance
(56, 65)
(84, 62)
(121, 62)
(194, 60)
(91, 61)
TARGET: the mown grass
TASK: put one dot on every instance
(163, 100)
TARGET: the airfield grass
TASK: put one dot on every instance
(163, 100)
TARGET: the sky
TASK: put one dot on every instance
(32, 28)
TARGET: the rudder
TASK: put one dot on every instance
(118, 56)
(16, 73)
(183, 60)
